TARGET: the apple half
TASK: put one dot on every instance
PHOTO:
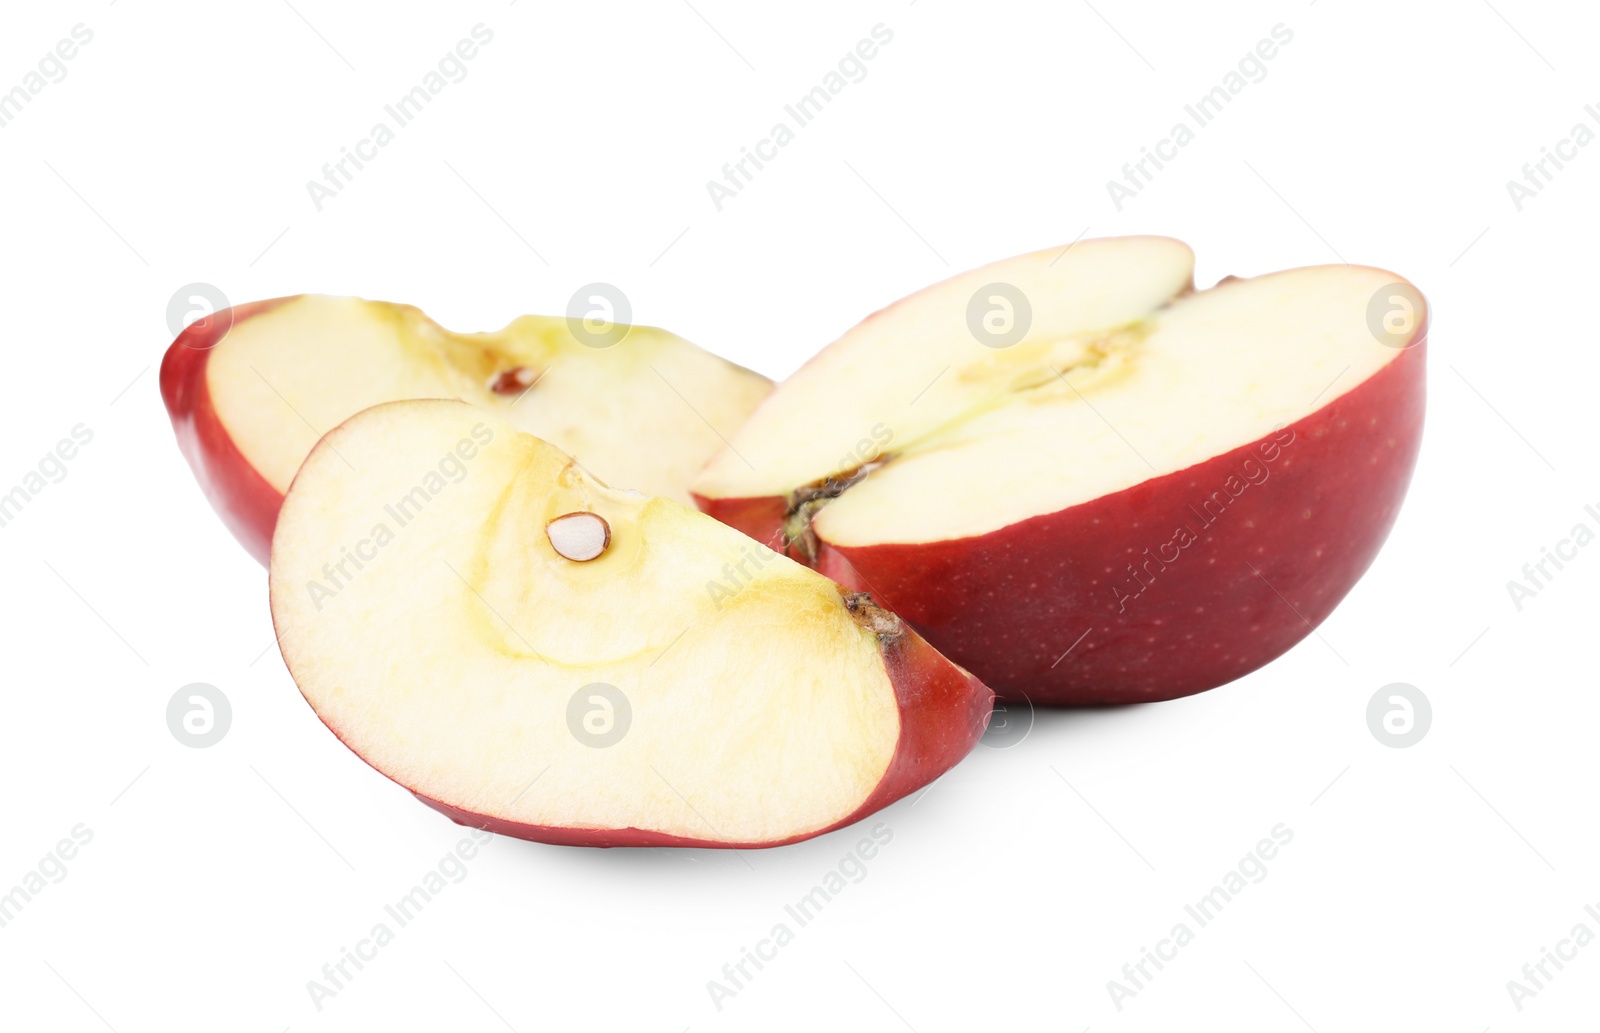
(250, 389)
(532, 652)
(1087, 483)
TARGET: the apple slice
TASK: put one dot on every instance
(530, 651)
(1086, 483)
(250, 390)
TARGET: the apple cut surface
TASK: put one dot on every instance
(1116, 504)
(672, 683)
(251, 389)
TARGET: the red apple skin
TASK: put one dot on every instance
(247, 504)
(1009, 605)
(943, 713)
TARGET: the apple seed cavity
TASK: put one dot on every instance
(804, 502)
(873, 617)
(579, 537)
(514, 380)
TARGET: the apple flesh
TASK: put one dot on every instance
(252, 388)
(532, 652)
(1144, 492)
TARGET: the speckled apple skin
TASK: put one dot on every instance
(1047, 609)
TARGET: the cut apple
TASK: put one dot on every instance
(1084, 481)
(530, 651)
(252, 388)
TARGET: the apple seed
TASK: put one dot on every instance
(514, 380)
(579, 537)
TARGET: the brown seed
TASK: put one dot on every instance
(514, 380)
(579, 537)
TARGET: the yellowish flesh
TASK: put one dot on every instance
(1064, 417)
(759, 711)
(645, 413)
(915, 367)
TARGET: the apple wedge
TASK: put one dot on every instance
(250, 389)
(532, 652)
(1087, 483)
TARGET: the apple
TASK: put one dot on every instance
(532, 652)
(251, 389)
(1086, 482)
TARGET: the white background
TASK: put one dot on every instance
(219, 881)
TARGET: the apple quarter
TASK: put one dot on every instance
(532, 652)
